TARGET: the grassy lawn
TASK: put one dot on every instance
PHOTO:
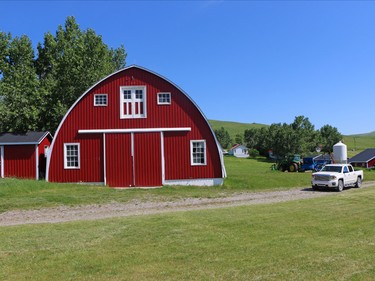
(243, 175)
(328, 238)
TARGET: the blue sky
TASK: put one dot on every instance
(246, 61)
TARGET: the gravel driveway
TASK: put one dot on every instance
(136, 208)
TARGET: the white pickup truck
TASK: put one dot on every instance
(337, 176)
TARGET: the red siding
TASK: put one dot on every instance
(119, 167)
(147, 159)
(91, 163)
(181, 113)
(20, 161)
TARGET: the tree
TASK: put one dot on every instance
(68, 64)
(238, 139)
(20, 99)
(328, 137)
(223, 137)
(304, 134)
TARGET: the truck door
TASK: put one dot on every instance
(348, 176)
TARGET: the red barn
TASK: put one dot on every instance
(24, 155)
(135, 128)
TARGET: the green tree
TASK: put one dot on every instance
(328, 137)
(68, 64)
(20, 98)
(304, 134)
(238, 139)
(223, 137)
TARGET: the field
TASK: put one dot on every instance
(327, 238)
(330, 238)
(234, 128)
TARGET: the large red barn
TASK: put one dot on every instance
(135, 128)
(23, 155)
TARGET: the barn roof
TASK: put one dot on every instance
(22, 138)
(363, 156)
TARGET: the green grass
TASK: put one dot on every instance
(248, 175)
(356, 144)
(234, 128)
(329, 238)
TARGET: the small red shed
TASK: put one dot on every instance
(23, 155)
(135, 128)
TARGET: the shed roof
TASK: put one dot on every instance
(22, 138)
(364, 156)
(238, 146)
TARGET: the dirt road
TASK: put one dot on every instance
(136, 208)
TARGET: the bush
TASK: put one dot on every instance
(253, 153)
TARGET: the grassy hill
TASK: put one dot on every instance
(234, 128)
(355, 143)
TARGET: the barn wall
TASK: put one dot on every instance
(20, 161)
(371, 163)
(181, 113)
(91, 160)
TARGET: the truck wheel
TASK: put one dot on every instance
(358, 184)
(340, 186)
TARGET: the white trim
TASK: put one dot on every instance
(2, 161)
(195, 182)
(191, 153)
(37, 162)
(132, 156)
(135, 130)
(162, 158)
(104, 160)
(164, 93)
(79, 155)
(133, 102)
(106, 100)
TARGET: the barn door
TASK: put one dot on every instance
(133, 160)
(119, 164)
(147, 159)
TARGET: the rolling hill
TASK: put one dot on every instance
(355, 143)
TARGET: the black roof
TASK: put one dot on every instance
(23, 138)
(363, 156)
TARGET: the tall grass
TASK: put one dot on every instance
(330, 238)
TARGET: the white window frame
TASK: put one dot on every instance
(133, 101)
(161, 94)
(65, 156)
(99, 96)
(192, 152)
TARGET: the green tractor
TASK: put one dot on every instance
(291, 163)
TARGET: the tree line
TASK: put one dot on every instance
(299, 137)
(37, 90)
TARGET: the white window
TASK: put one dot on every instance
(132, 102)
(164, 98)
(198, 152)
(71, 156)
(100, 100)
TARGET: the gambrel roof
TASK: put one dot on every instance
(364, 156)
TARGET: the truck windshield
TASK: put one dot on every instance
(336, 169)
